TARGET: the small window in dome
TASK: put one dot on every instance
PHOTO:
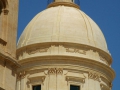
(74, 87)
(37, 87)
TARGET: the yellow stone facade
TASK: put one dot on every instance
(8, 33)
(61, 46)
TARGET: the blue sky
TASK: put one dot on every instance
(106, 13)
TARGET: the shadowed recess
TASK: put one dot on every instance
(3, 5)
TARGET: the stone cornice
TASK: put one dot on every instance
(64, 4)
(13, 61)
(63, 60)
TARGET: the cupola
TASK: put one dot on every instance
(70, 3)
(63, 48)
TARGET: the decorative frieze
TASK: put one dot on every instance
(60, 50)
(37, 50)
(44, 49)
(55, 71)
(75, 50)
(94, 76)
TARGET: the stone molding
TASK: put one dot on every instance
(12, 62)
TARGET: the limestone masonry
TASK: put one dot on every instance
(61, 48)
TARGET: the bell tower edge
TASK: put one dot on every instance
(8, 36)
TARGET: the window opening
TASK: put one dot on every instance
(73, 87)
(37, 87)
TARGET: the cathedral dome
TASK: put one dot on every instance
(62, 48)
(63, 24)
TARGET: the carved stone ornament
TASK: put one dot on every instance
(37, 50)
(21, 75)
(55, 71)
(94, 76)
(74, 50)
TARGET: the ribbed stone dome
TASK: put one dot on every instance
(63, 24)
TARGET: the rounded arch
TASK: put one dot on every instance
(3, 5)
